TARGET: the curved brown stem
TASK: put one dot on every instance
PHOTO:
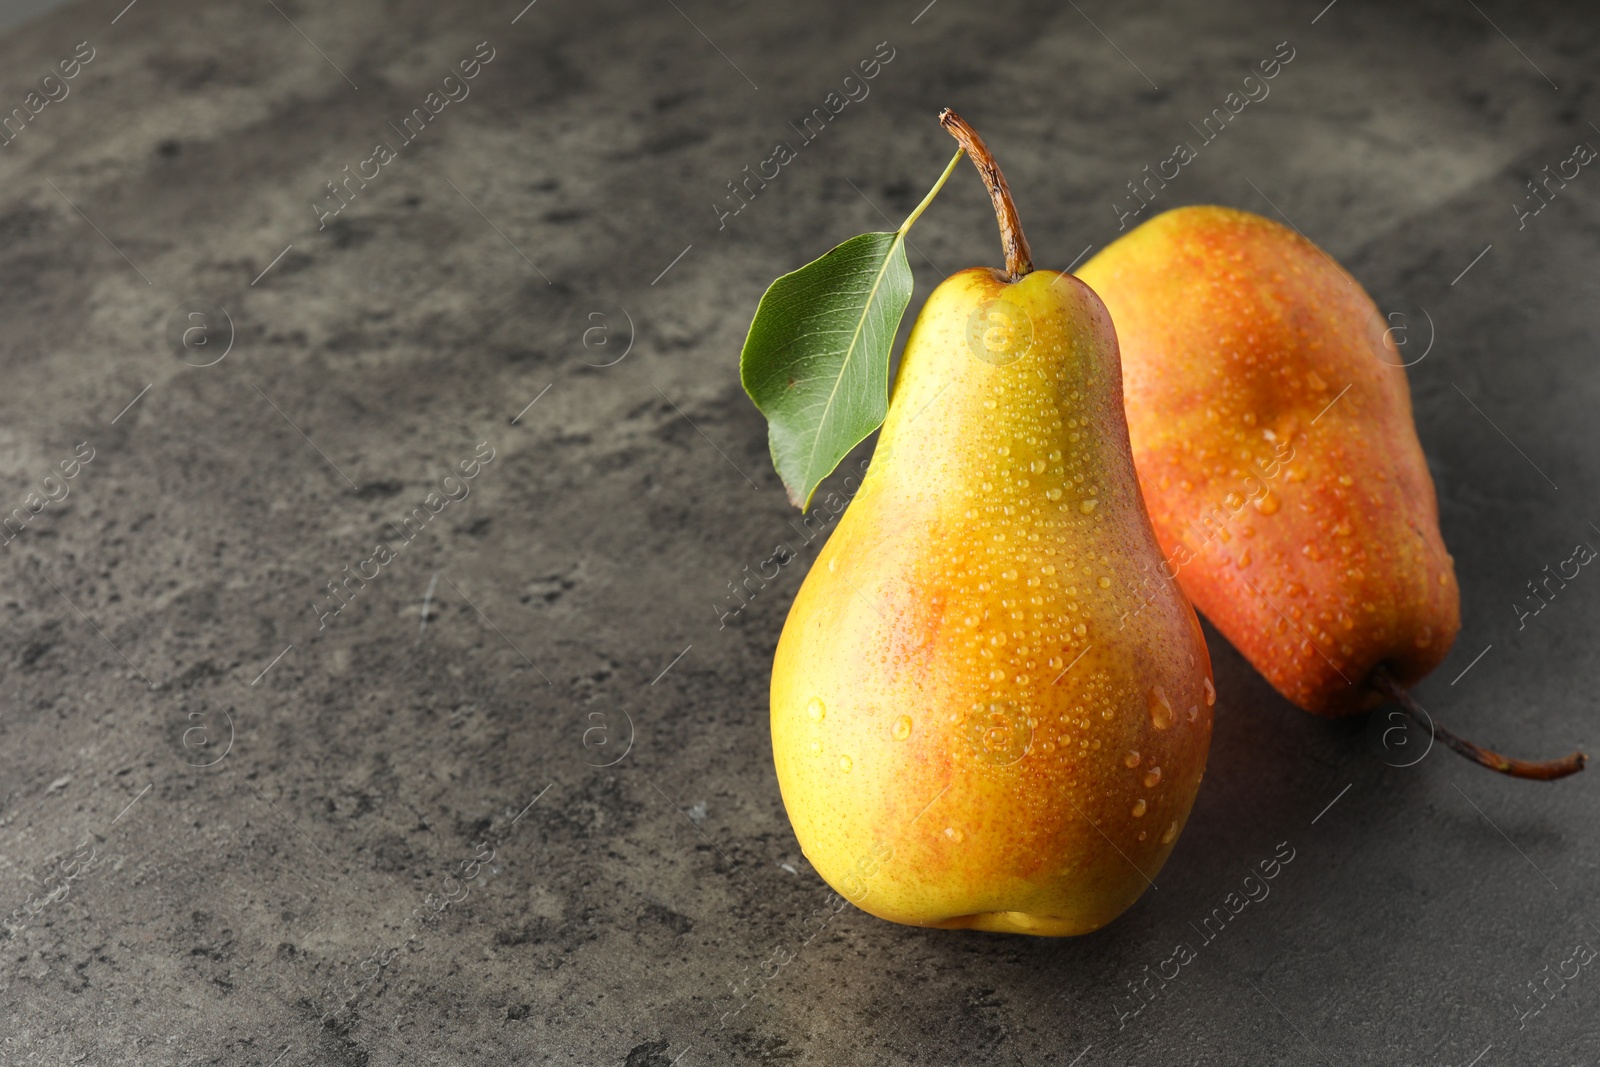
(1019, 258)
(1538, 770)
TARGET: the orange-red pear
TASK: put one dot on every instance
(1270, 420)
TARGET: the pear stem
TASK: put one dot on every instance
(1019, 258)
(1538, 770)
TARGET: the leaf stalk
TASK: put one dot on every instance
(920, 208)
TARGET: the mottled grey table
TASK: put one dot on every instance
(245, 820)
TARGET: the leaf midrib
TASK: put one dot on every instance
(850, 354)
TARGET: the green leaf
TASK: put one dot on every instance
(816, 361)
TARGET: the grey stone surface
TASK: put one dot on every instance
(16, 12)
(238, 817)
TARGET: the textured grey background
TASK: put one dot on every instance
(14, 12)
(161, 616)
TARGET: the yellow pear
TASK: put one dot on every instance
(989, 709)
